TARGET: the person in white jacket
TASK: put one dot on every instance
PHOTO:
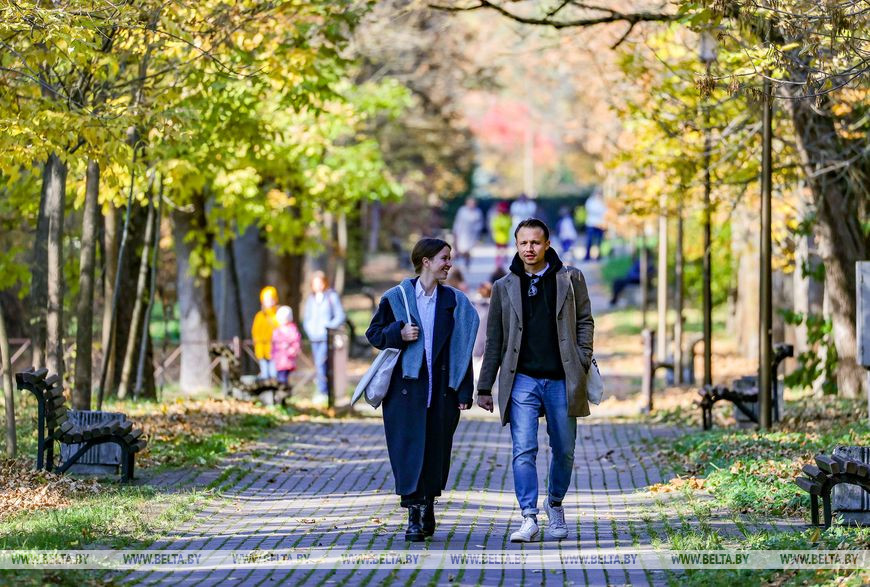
(467, 227)
(595, 211)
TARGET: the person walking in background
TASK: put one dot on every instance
(431, 382)
(467, 227)
(539, 340)
(264, 325)
(322, 311)
(286, 344)
(521, 208)
(567, 232)
(500, 230)
(595, 211)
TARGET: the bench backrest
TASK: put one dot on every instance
(48, 390)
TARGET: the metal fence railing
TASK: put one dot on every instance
(166, 360)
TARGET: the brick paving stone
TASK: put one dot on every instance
(329, 484)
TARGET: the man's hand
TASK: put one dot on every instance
(485, 402)
(464, 406)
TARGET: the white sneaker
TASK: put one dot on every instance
(528, 532)
(556, 526)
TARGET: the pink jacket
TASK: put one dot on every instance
(286, 343)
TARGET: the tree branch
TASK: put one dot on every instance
(610, 15)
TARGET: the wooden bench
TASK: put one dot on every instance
(739, 394)
(824, 475)
(268, 391)
(53, 425)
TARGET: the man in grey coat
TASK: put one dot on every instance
(539, 336)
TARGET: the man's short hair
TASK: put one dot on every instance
(533, 223)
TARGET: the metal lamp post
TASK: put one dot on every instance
(708, 56)
(765, 311)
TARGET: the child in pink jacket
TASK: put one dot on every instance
(286, 343)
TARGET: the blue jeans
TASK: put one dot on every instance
(594, 236)
(529, 397)
(319, 350)
(267, 369)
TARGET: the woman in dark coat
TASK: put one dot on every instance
(436, 345)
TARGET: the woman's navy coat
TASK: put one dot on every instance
(404, 407)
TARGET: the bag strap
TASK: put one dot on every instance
(405, 299)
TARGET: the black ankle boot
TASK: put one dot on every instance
(429, 518)
(414, 533)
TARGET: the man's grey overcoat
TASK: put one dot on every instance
(504, 332)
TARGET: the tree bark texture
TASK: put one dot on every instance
(131, 342)
(236, 287)
(144, 360)
(196, 305)
(249, 258)
(340, 253)
(743, 319)
(55, 194)
(8, 390)
(81, 393)
(837, 192)
(111, 242)
(129, 271)
(286, 273)
(39, 277)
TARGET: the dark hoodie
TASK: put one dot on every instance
(539, 351)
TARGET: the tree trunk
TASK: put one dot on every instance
(197, 320)
(132, 339)
(81, 393)
(285, 272)
(111, 242)
(743, 320)
(374, 226)
(250, 259)
(39, 279)
(55, 178)
(9, 397)
(340, 253)
(841, 240)
(145, 385)
(236, 286)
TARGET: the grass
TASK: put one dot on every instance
(117, 517)
(183, 433)
(360, 319)
(615, 267)
(627, 321)
(207, 450)
(749, 475)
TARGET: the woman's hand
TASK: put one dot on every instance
(410, 332)
(485, 402)
(464, 406)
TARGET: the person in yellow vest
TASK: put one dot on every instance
(265, 323)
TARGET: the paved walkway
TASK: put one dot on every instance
(329, 484)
